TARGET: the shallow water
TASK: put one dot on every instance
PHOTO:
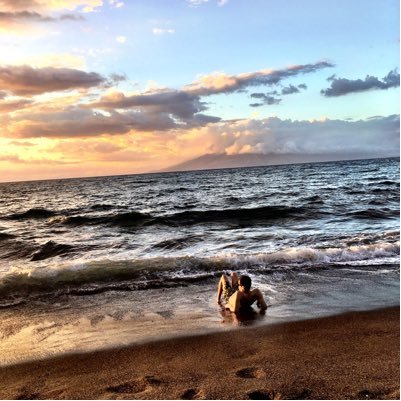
(93, 263)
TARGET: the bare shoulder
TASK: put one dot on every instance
(256, 292)
(256, 295)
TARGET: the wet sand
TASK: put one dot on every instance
(350, 356)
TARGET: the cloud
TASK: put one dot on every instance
(222, 83)
(14, 105)
(20, 15)
(379, 135)
(20, 21)
(179, 103)
(115, 78)
(176, 108)
(72, 122)
(21, 143)
(48, 5)
(25, 80)
(196, 3)
(116, 3)
(10, 17)
(58, 60)
(75, 121)
(289, 90)
(270, 98)
(160, 109)
(161, 31)
(10, 158)
(103, 151)
(121, 39)
(86, 147)
(343, 86)
(265, 98)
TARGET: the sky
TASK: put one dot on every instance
(106, 87)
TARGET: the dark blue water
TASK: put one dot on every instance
(323, 233)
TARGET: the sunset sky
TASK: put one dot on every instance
(92, 87)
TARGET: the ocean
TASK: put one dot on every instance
(100, 262)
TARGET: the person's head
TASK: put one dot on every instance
(245, 282)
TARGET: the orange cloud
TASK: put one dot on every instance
(20, 16)
(48, 5)
(14, 105)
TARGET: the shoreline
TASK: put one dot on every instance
(354, 355)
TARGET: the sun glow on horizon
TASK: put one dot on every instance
(81, 96)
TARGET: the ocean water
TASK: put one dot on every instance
(100, 262)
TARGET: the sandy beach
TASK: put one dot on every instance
(349, 356)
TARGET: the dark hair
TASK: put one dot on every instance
(246, 282)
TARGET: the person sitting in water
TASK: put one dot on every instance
(238, 294)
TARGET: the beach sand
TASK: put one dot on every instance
(350, 356)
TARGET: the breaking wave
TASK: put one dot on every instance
(163, 272)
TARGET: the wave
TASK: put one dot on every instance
(178, 243)
(35, 213)
(6, 236)
(120, 219)
(375, 213)
(102, 207)
(240, 216)
(388, 183)
(88, 278)
(13, 248)
(315, 199)
(237, 215)
(51, 249)
(231, 216)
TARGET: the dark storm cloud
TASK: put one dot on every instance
(26, 80)
(343, 86)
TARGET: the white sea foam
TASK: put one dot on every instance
(97, 276)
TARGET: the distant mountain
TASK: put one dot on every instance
(221, 160)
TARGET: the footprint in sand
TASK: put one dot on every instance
(191, 394)
(247, 353)
(251, 373)
(264, 395)
(25, 394)
(134, 386)
(373, 395)
(300, 394)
